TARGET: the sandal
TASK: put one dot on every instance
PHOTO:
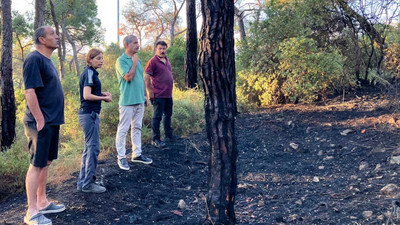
(52, 208)
(37, 219)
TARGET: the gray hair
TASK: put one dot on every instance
(129, 39)
(39, 32)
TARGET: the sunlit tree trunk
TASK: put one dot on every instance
(191, 45)
(217, 62)
(7, 90)
(40, 7)
(242, 31)
(177, 9)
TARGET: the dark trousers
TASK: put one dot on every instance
(162, 110)
(90, 124)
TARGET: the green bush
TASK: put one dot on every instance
(176, 56)
(308, 72)
(14, 163)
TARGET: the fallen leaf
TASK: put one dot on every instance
(294, 145)
(346, 132)
(178, 213)
(363, 131)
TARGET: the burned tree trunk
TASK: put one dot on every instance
(191, 45)
(7, 89)
(217, 62)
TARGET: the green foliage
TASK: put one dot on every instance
(176, 55)
(14, 163)
(145, 55)
(392, 62)
(188, 115)
(291, 55)
(80, 18)
(71, 129)
(21, 26)
(308, 72)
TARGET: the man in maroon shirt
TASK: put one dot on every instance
(159, 83)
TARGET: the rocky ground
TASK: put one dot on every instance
(331, 163)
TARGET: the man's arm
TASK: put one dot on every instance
(33, 104)
(147, 82)
(131, 74)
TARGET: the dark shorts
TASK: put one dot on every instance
(43, 145)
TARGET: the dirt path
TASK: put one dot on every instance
(296, 166)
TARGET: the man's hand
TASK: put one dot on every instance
(135, 58)
(40, 123)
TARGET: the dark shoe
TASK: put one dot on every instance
(37, 219)
(52, 208)
(123, 164)
(158, 143)
(93, 188)
(171, 138)
(142, 159)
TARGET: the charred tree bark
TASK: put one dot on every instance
(40, 7)
(8, 107)
(191, 45)
(217, 62)
(61, 59)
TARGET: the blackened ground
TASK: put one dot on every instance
(294, 167)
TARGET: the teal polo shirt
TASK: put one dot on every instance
(131, 92)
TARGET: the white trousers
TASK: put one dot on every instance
(132, 116)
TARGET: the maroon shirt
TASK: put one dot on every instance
(161, 77)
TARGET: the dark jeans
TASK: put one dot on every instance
(162, 110)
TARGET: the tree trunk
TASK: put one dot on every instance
(40, 7)
(65, 31)
(242, 31)
(7, 89)
(191, 45)
(217, 62)
(173, 22)
(172, 33)
(61, 59)
(20, 48)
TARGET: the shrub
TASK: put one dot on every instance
(13, 164)
(176, 56)
(308, 72)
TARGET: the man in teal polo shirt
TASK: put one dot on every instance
(132, 101)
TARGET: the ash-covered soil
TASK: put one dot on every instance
(298, 164)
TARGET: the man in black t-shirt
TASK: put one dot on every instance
(43, 117)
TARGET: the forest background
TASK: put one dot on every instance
(287, 51)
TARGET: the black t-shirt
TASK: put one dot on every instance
(89, 77)
(40, 74)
